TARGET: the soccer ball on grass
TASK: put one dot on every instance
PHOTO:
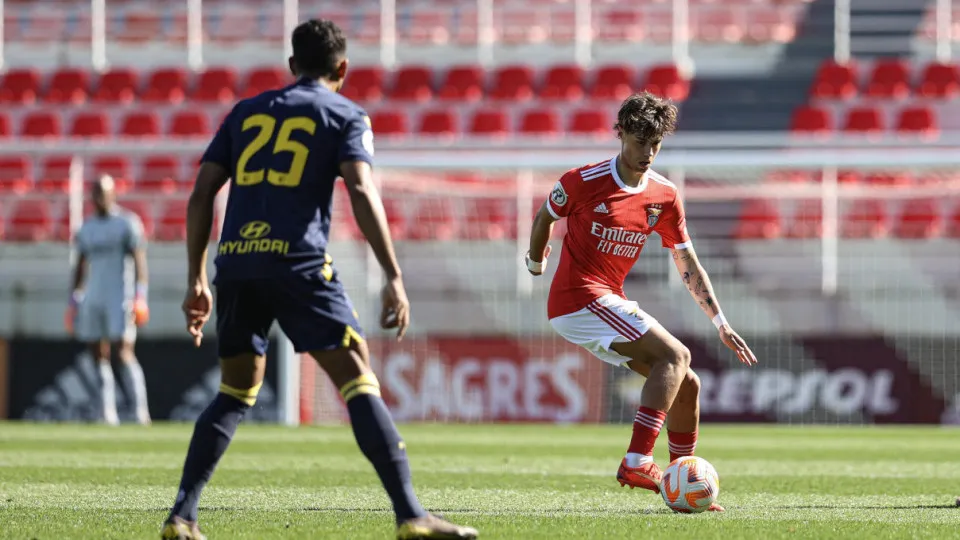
(690, 485)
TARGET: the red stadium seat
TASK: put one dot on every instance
(56, 174)
(807, 220)
(563, 83)
(172, 225)
(140, 124)
(614, 83)
(835, 81)
(260, 80)
(758, 219)
(5, 130)
(440, 122)
(591, 122)
(189, 124)
(863, 120)
(116, 166)
(489, 123)
(890, 79)
(811, 120)
(848, 177)
(364, 84)
(389, 123)
(953, 226)
(31, 220)
(434, 221)
(666, 81)
(117, 86)
(20, 86)
(412, 83)
(215, 85)
(918, 121)
(159, 173)
(939, 81)
(166, 85)
(889, 179)
(866, 218)
(90, 125)
(489, 219)
(920, 219)
(542, 123)
(68, 85)
(513, 83)
(142, 26)
(15, 175)
(144, 211)
(41, 125)
(719, 24)
(462, 83)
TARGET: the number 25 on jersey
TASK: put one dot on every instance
(266, 125)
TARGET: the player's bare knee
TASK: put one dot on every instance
(345, 364)
(680, 358)
(689, 388)
(241, 376)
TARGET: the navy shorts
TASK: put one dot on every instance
(315, 314)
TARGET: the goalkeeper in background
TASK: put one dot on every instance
(108, 300)
(284, 150)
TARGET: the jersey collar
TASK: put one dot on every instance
(616, 178)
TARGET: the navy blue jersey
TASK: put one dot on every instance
(283, 149)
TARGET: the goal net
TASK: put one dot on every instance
(840, 270)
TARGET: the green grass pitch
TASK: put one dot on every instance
(523, 482)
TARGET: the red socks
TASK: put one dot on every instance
(646, 427)
(682, 444)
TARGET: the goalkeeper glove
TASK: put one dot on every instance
(141, 312)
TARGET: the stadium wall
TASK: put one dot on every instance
(481, 349)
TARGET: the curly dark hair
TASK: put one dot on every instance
(647, 116)
(318, 47)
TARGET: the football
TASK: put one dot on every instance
(690, 485)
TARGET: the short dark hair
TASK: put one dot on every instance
(647, 116)
(318, 47)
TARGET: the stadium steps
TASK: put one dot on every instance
(743, 103)
(884, 28)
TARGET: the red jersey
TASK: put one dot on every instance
(608, 223)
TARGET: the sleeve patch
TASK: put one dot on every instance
(558, 195)
(367, 140)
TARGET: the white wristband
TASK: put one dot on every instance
(719, 320)
(533, 265)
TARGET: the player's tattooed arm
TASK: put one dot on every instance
(696, 280)
(698, 283)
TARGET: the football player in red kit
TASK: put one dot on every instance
(611, 208)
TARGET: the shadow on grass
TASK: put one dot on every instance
(871, 507)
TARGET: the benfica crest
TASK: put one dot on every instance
(653, 213)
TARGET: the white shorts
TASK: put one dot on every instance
(98, 322)
(607, 320)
